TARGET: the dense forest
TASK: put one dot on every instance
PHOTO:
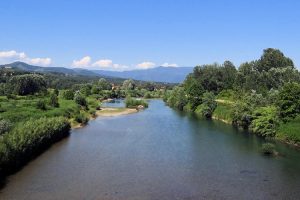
(262, 95)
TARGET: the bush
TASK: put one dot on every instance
(268, 149)
(5, 126)
(54, 100)
(81, 118)
(68, 94)
(147, 95)
(2, 109)
(208, 105)
(289, 101)
(40, 104)
(29, 139)
(265, 121)
(133, 103)
(80, 100)
(92, 112)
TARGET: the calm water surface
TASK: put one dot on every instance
(157, 154)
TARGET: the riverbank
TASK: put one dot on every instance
(284, 133)
(111, 112)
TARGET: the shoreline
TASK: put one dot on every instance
(107, 112)
(286, 142)
(113, 112)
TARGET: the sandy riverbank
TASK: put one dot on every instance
(111, 112)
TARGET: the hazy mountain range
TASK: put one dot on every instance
(158, 74)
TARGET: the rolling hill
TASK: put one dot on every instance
(158, 74)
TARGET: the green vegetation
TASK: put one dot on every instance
(29, 139)
(134, 103)
(268, 149)
(261, 95)
(37, 110)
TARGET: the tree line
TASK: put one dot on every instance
(259, 95)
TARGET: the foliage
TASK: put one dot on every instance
(5, 126)
(289, 101)
(80, 100)
(41, 104)
(265, 121)
(68, 94)
(133, 103)
(27, 84)
(289, 131)
(81, 118)
(53, 100)
(29, 139)
(208, 105)
(103, 84)
(129, 84)
(177, 98)
(268, 149)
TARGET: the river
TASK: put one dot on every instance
(158, 154)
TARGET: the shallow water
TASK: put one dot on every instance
(158, 154)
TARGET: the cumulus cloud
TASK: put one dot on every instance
(105, 63)
(40, 61)
(145, 65)
(169, 65)
(12, 56)
(83, 62)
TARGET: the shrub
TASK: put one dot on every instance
(54, 100)
(289, 101)
(92, 112)
(81, 118)
(80, 100)
(147, 95)
(268, 149)
(68, 94)
(208, 105)
(5, 126)
(133, 103)
(265, 121)
(40, 104)
(2, 109)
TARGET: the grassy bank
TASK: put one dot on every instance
(223, 112)
(28, 140)
(290, 131)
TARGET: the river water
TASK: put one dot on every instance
(158, 154)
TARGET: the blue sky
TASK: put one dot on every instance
(122, 35)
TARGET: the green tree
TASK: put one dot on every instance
(129, 84)
(68, 94)
(104, 84)
(289, 101)
(54, 100)
(27, 84)
(273, 58)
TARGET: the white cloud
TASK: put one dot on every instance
(83, 62)
(40, 61)
(145, 65)
(12, 56)
(169, 65)
(106, 63)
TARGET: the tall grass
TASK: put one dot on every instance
(134, 103)
(29, 139)
(290, 131)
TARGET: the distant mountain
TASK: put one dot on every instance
(26, 67)
(158, 74)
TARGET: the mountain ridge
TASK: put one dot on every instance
(157, 74)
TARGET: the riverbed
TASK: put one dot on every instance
(158, 153)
